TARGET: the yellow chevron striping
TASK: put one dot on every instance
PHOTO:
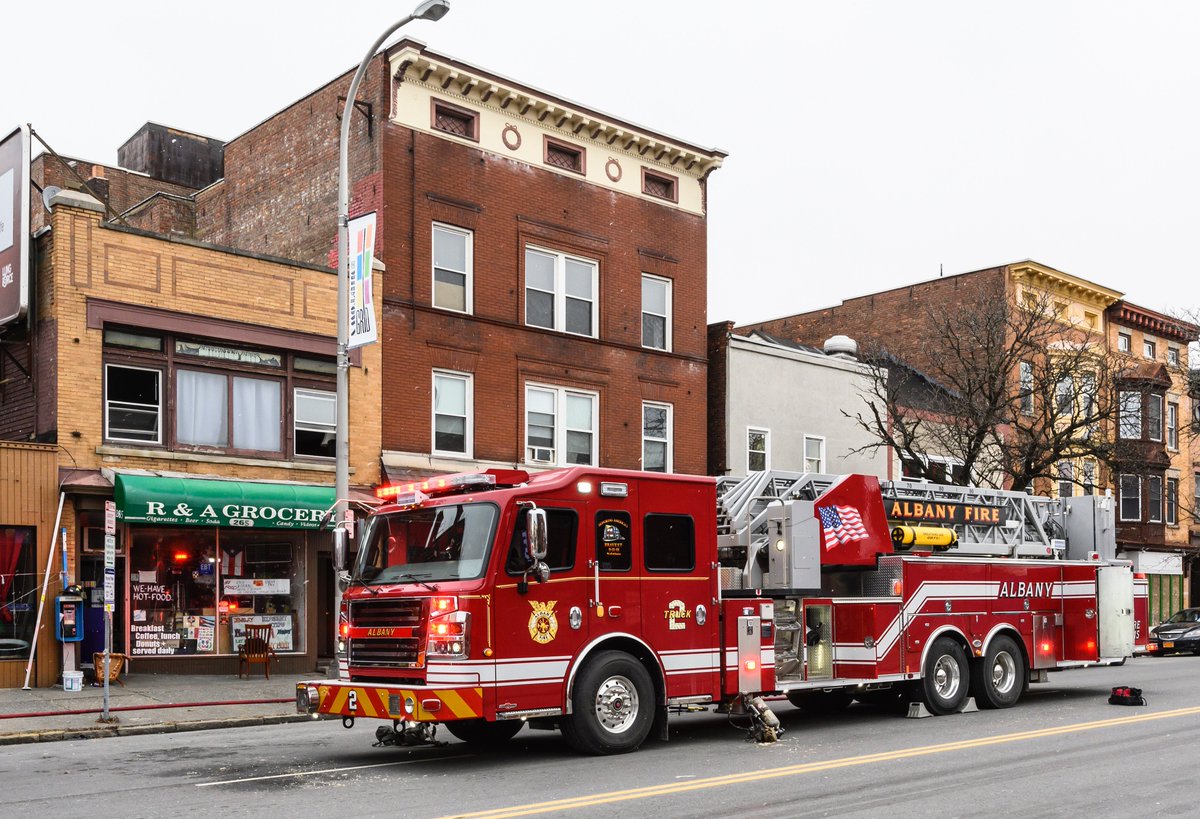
(456, 704)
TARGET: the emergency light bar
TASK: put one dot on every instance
(444, 484)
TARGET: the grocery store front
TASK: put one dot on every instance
(203, 559)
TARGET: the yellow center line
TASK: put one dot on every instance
(809, 767)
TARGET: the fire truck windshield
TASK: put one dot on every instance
(426, 545)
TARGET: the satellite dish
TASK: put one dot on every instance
(48, 193)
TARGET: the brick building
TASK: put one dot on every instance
(545, 296)
(193, 386)
(1155, 347)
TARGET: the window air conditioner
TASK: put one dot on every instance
(541, 455)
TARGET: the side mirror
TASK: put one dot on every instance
(535, 529)
(339, 549)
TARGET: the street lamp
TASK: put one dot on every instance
(429, 10)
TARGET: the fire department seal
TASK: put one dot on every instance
(543, 624)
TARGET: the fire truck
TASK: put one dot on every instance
(598, 601)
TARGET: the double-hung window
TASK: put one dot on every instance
(1065, 395)
(452, 422)
(656, 312)
(560, 426)
(133, 405)
(1154, 499)
(1131, 415)
(1172, 425)
(814, 454)
(560, 291)
(452, 262)
(758, 449)
(1154, 418)
(1131, 498)
(1124, 342)
(208, 405)
(1027, 387)
(315, 425)
(1089, 477)
(1066, 479)
(1172, 501)
(656, 437)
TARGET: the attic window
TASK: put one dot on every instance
(451, 119)
(660, 185)
(564, 155)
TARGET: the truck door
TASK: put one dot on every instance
(679, 620)
(1115, 604)
(539, 627)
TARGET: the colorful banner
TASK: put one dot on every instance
(361, 302)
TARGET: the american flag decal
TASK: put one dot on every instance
(841, 524)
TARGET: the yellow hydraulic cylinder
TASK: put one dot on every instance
(935, 537)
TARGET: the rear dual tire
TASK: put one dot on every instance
(999, 679)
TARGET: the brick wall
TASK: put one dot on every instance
(94, 261)
(507, 205)
(279, 194)
(718, 400)
(892, 319)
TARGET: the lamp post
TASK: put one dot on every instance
(432, 10)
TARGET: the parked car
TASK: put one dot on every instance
(1180, 633)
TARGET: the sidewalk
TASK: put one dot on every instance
(164, 703)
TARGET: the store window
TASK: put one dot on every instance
(18, 590)
(188, 394)
(194, 590)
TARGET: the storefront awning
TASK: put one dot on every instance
(199, 502)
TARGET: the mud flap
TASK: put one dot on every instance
(660, 730)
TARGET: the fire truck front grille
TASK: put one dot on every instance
(404, 611)
(369, 653)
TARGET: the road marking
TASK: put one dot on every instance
(807, 768)
(328, 770)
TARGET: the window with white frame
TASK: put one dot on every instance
(132, 404)
(656, 437)
(1172, 501)
(1154, 418)
(1124, 342)
(1064, 393)
(656, 312)
(315, 423)
(560, 291)
(1154, 499)
(1089, 477)
(1173, 425)
(1173, 356)
(1066, 479)
(1027, 387)
(560, 426)
(452, 421)
(814, 454)
(1196, 491)
(452, 263)
(1131, 415)
(1148, 349)
(1131, 498)
(758, 449)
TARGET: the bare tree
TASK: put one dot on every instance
(1005, 391)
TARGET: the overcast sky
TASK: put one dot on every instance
(870, 142)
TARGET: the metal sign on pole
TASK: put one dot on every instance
(110, 591)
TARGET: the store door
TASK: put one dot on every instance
(91, 577)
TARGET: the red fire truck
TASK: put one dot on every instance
(599, 601)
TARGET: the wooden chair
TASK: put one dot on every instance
(256, 648)
(116, 664)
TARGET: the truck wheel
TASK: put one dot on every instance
(946, 681)
(482, 733)
(612, 706)
(821, 702)
(1000, 680)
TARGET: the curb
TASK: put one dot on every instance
(65, 734)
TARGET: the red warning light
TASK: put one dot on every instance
(181, 557)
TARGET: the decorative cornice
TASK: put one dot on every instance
(1151, 321)
(1039, 275)
(411, 62)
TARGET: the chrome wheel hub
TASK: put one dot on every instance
(616, 704)
(946, 677)
(1004, 673)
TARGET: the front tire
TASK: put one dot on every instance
(482, 733)
(946, 681)
(1000, 680)
(612, 706)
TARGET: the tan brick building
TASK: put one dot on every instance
(195, 386)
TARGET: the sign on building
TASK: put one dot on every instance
(14, 230)
(362, 306)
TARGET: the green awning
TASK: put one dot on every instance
(199, 502)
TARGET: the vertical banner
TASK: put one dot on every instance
(362, 306)
(14, 230)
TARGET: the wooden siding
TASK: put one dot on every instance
(29, 497)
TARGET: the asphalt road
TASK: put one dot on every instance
(1063, 751)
